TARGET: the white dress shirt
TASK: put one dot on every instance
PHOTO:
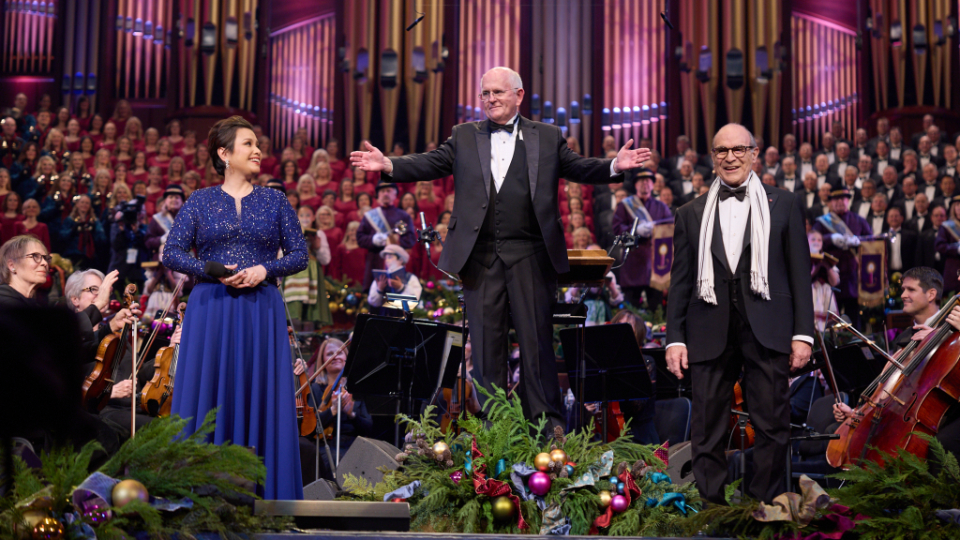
(930, 190)
(790, 184)
(502, 146)
(908, 206)
(895, 152)
(921, 220)
(805, 167)
(876, 224)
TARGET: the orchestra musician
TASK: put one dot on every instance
(740, 302)
(505, 238)
(355, 421)
(235, 351)
(922, 290)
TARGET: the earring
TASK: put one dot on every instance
(227, 164)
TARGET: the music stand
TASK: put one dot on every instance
(399, 360)
(615, 370)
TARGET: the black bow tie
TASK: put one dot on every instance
(726, 192)
(494, 127)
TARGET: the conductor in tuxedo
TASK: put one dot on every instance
(740, 302)
(505, 237)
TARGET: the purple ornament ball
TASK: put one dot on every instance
(619, 503)
(539, 483)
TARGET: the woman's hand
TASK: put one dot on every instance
(106, 288)
(122, 389)
(125, 316)
(234, 280)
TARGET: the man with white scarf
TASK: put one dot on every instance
(740, 302)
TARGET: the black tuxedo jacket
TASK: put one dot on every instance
(789, 312)
(913, 224)
(909, 248)
(466, 155)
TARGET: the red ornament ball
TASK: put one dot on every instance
(398, 500)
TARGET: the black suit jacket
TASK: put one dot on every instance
(909, 248)
(913, 224)
(466, 155)
(789, 312)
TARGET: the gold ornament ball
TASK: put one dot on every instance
(48, 529)
(605, 498)
(440, 447)
(31, 518)
(502, 509)
(558, 455)
(127, 491)
(542, 462)
(448, 311)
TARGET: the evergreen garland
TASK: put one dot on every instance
(168, 466)
(444, 505)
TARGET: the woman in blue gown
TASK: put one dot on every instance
(234, 352)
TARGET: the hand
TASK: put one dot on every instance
(122, 389)
(125, 316)
(838, 240)
(853, 241)
(234, 280)
(645, 229)
(677, 360)
(252, 276)
(106, 287)
(954, 318)
(800, 354)
(299, 367)
(380, 239)
(382, 283)
(346, 404)
(396, 283)
(630, 159)
(371, 159)
(175, 338)
(592, 408)
(922, 330)
(841, 412)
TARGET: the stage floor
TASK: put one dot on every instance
(314, 534)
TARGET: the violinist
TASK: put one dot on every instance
(922, 288)
(354, 419)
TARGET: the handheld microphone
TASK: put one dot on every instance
(217, 270)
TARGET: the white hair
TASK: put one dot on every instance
(512, 76)
(75, 283)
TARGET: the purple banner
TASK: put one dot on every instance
(871, 273)
(662, 255)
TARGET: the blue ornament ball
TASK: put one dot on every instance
(569, 470)
(353, 300)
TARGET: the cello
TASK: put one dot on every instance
(158, 391)
(97, 386)
(904, 401)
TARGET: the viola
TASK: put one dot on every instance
(100, 381)
(157, 394)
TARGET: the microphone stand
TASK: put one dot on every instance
(427, 235)
(628, 240)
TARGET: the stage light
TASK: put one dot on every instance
(587, 104)
(919, 39)
(641, 116)
(548, 112)
(615, 119)
(605, 119)
(562, 118)
(535, 105)
(663, 110)
(654, 113)
(78, 83)
(138, 27)
(574, 112)
(704, 65)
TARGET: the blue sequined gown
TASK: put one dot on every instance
(235, 351)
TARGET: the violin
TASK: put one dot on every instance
(303, 391)
(615, 421)
(451, 396)
(306, 415)
(158, 391)
(97, 386)
(738, 405)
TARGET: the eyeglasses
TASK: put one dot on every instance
(38, 257)
(94, 290)
(487, 94)
(721, 152)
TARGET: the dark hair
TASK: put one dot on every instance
(82, 99)
(631, 318)
(928, 278)
(223, 134)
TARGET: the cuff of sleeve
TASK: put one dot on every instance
(676, 345)
(805, 339)
(613, 170)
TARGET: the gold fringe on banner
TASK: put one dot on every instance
(661, 247)
(872, 264)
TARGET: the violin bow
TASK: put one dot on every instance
(831, 378)
(166, 310)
